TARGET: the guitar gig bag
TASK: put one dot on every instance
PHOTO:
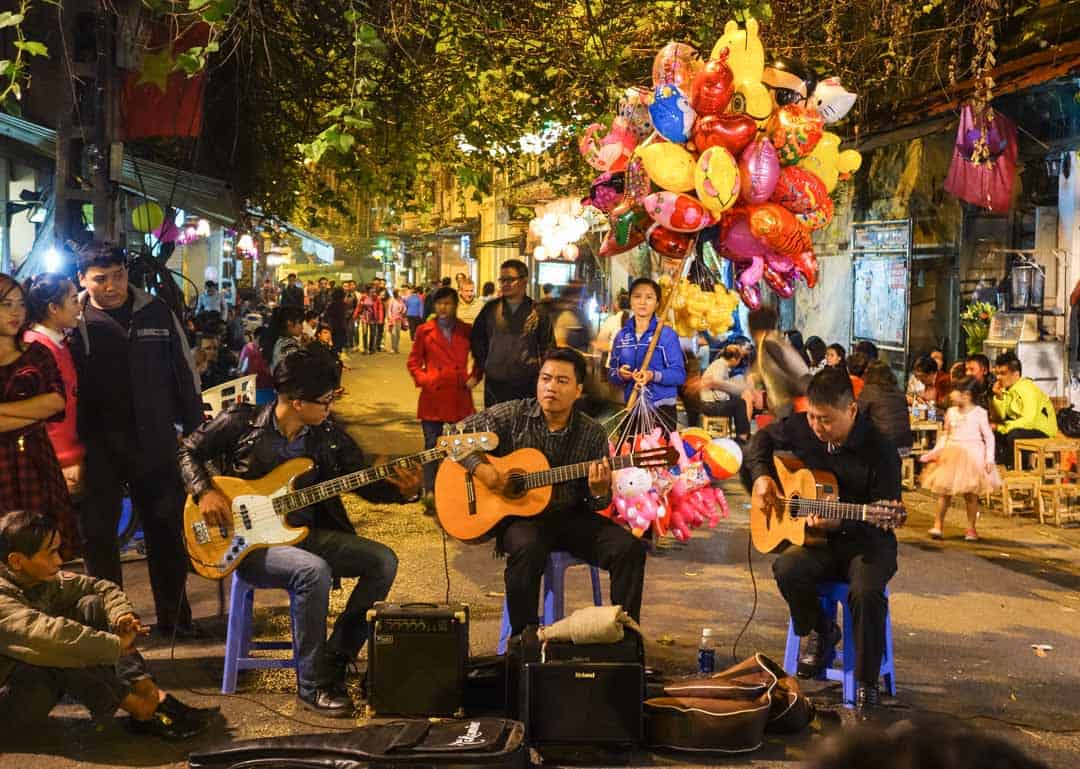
(728, 712)
(483, 743)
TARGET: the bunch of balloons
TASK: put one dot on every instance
(680, 500)
(696, 309)
(728, 150)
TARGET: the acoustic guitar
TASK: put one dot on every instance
(259, 506)
(811, 492)
(468, 509)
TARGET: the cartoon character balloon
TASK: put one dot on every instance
(671, 113)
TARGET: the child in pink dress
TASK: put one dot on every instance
(962, 462)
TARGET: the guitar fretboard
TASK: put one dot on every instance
(570, 472)
(824, 508)
(320, 492)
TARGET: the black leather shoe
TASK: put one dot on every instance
(179, 710)
(813, 651)
(168, 726)
(867, 700)
(328, 703)
(186, 633)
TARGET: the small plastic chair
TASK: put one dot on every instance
(554, 602)
(831, 594)
(238, 643)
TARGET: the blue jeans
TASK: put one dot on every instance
(432, 431)
(307, 572)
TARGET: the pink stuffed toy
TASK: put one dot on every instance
(636, 503)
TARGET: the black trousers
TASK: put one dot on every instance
(500, 392)
(159, 497)
(865, 558)
(528, 542)
(1003, 444)
(414, 323)
(31, 691)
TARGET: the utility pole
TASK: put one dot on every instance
(88, 157)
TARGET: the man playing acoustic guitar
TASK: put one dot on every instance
(833, 436)
(249, 442)
(565, 435)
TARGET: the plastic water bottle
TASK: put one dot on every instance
(706, 653)
(931, 412)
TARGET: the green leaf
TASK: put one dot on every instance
(9, 19)
(351, 16)
(32, 47)
(194, 5)
(189, 64)
(345, 143)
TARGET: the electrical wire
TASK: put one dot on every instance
(753, 609)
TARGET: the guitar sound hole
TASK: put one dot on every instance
(515, 484)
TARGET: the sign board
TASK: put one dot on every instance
(881, 266)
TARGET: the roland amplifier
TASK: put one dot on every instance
(416, 659)
(595, 702)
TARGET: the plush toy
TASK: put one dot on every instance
(635, 501)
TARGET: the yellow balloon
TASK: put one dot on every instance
(849, 162)
(669, 165)
(823, 161)
(147, 217)
(746, 57)
(716, 179)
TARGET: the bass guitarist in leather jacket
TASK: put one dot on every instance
(248, 442)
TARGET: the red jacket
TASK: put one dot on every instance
(440, 369)
(63, 435)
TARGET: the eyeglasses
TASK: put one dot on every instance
(325, 402)
(508, 281)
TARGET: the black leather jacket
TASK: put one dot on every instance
(240, 442)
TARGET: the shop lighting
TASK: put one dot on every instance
(246, 243)
(53, 260)
(202, 229)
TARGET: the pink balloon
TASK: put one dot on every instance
(759, 170)
(167, 232)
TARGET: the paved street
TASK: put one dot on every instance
(964, 618)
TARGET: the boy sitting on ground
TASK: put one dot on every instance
(64, 633)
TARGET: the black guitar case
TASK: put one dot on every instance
(487, 743)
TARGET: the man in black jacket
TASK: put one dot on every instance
(833, 436)
(137, 384)
(249, 442)
(509, 339)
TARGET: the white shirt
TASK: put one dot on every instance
(58, 337)
(729, 387)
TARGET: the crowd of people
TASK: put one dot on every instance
(78, 434)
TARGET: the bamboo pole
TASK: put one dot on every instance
(661, 321)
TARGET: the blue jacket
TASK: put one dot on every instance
(667, 364)
(414, 306)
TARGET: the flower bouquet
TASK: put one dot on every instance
(975, 319)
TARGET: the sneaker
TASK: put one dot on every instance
(935, 533)
(971, 535)
(867, 700)
(168, 726)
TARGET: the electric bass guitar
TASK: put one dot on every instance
(259, 506)
(811, 492)
(468, 509)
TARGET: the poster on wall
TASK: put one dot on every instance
(880, 299)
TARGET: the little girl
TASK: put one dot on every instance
(962, 462)
(667, 368)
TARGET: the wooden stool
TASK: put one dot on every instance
(718, 427)
(1058, 493)
(907, 472)
(1019, 481)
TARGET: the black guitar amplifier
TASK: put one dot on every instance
(416, 659)
(574, 702)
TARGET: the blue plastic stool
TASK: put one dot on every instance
(238, 643)
(831, 594)
(554, 604)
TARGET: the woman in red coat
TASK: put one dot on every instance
(439, 365)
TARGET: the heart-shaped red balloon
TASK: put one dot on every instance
(712, 87)
(674, 245)
(730, 131)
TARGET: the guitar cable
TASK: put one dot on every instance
(753, 609)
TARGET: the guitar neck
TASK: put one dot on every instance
(555, 475)
(335, 487)
(827, 509)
